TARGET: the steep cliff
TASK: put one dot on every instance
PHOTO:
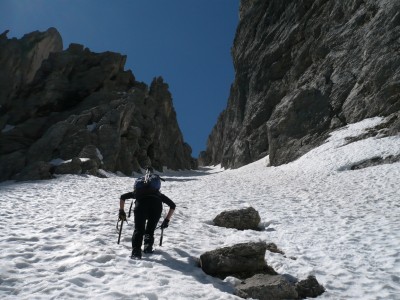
(304, 68)
(83, 109)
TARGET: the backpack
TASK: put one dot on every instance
(149, 183)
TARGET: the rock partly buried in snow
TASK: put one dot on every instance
(309, 288)
(241, 219)
(71, 167)
(272, 247)
(376, 161)
(266, 287)
(246, 261)
(240, 260)
(78, 166)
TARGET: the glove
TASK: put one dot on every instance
(164, 224)
(122, 215)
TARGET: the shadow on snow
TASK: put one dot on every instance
(189, 267)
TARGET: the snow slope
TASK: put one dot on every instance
(58, 238)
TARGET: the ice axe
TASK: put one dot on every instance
(120, 228)
(161, 237)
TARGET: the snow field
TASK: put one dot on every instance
(58, 238)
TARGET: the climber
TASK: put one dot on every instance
(148, 207)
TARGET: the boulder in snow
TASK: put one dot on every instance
(71, 167)
(241, 219)
(240, 260)
(309, 288)
(266, 287)
(78, 166)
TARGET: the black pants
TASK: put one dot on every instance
(146, 209)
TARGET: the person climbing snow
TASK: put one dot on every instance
(147, 211)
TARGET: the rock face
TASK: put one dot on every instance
(240, 219)
(81, 106)
(304, 68)
(20, 59)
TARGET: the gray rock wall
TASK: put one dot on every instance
(20, 59)
(304, 68)
(78, 104)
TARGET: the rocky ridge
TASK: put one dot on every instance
(304, 68)
(76, 111)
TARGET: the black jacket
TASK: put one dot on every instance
(154, 194)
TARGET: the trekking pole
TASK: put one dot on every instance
(161, 237)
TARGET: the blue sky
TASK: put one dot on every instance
(187, 42)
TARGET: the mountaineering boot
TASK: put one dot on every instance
(148, 243)
(136, 254)
(148, 249)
